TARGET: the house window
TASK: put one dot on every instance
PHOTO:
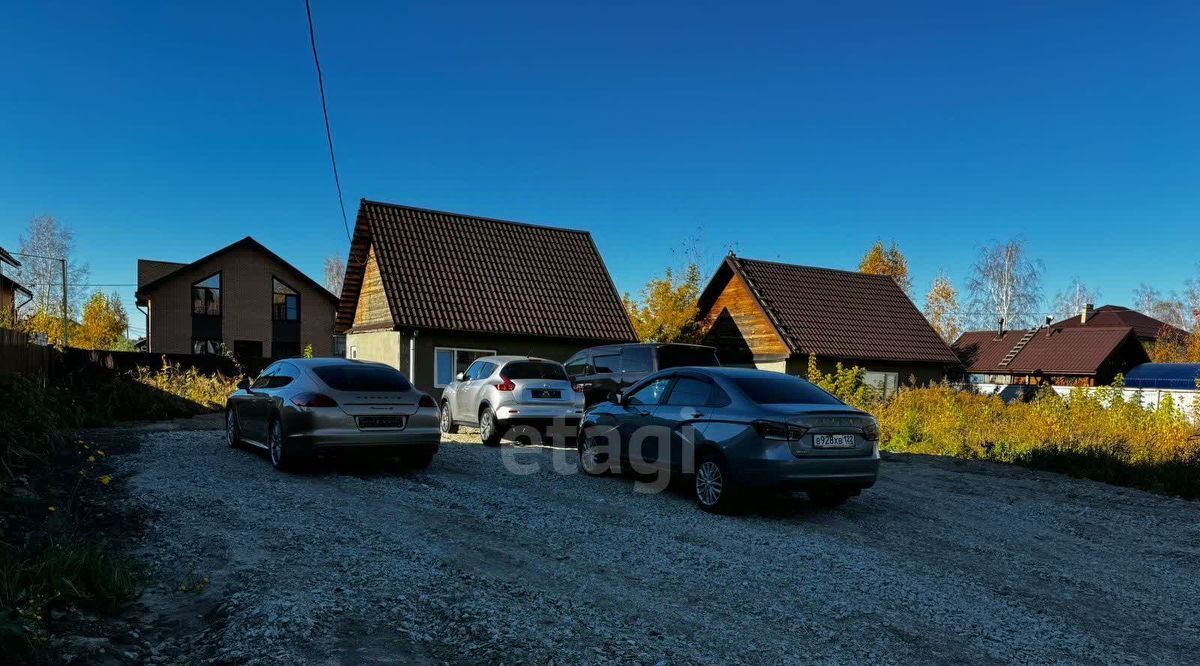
(884, 382)
(286, 302)
(206, 296)
(354, 352)
(449, 361)
(206, 346)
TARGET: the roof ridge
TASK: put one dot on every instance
(809, 267)
(437, 211)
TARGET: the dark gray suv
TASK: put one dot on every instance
(601, 371)
(734, 430)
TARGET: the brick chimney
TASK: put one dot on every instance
(1085, 313)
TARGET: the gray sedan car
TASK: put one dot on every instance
(299, 408)
(734, 431)
(497, 393)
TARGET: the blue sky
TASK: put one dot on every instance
(797, 131)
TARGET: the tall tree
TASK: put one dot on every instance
(1005, 285)
(666, 309)
(335, 274)
(46, 237)
(887, 261)
(1071, 300)
(941, 308)
(104, 323)
(1171, 309)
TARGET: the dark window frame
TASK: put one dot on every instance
(708, 398)
(295, 293)
(216, 352)
(220, 289)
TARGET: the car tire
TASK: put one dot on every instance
(233, 429)
(712, 486)
(446, 420)
(277, 449)
(592, 461)
(830, 498)
(490, 429)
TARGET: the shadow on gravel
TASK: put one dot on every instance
(363, 466)
(756, 505)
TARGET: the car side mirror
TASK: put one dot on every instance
(616, 398)
(460, 377)
(244, 383)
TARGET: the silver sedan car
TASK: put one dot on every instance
(497, 393)
(734, 431)
(299, 408)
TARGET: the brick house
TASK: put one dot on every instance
(243, 297)
(427, 292)
(774, 316)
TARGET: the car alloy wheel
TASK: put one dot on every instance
(488, 428)
(446, 422)
(231, 428)
(589, 457)
(276, 443)
(710, 483)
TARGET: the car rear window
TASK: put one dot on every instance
(533, 370)
(674, 357)
(783, 390)
(362, 378)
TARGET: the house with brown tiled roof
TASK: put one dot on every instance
(1053, 354)
(1147, 328)
(430, 291)
(243, 298)
(775, 316)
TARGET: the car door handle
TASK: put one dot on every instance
(641, 413)
(694, 414)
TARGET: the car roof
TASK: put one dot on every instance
(511, 358)
(651, 345)
(725, 371)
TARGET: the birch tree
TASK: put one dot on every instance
(335, 274)
(1005, 286)
(1071, 300)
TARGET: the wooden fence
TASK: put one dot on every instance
(20, 356)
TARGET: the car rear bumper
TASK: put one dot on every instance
(539, 414)
(802, 474)
(309, 432)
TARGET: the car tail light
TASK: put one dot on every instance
(426, 401)
(505, 384)
(313, 400)
(780, 431)
(871, 430)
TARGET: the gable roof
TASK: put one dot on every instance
(1144, 325)
(158, 272)
(15, 286)
(834, 313)
(458, 272)
(1049, 350)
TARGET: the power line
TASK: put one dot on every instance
(337, 181)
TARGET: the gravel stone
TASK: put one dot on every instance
(943, 561)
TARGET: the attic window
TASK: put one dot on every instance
(286, 302)
(206, 296)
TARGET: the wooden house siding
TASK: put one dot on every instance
(372, 309)
(739, 328)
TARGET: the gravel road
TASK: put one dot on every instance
(943, 561)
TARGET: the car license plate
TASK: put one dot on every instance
(833, 441)
(547, 393)
(381, 421)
